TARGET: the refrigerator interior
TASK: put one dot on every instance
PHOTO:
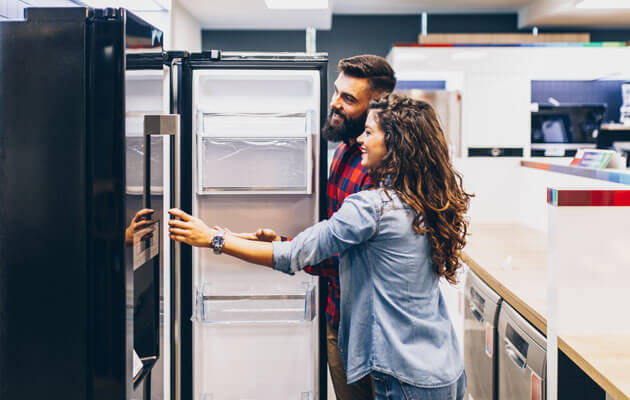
(255, 330)
(147, 92)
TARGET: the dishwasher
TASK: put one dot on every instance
(481, 311)
(522, 362)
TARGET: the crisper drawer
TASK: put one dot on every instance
(231, 165)
(258, 344)
(286, 307)
(261, 362)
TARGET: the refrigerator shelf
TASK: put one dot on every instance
(268, 308)
(257, 124)
(255, 165)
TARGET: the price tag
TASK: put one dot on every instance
(536, 387)
(489, 340)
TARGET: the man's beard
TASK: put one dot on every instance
(349, 128)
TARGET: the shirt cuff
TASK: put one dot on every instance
(282, 257)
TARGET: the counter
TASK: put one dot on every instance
(512, 259)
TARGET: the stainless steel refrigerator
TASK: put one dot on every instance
(80, 284)
(252, 157)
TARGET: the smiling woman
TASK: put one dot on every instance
(414, 217)
(372, 142)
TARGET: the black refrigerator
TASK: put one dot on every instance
(86, 144)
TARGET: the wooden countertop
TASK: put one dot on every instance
(512, 260)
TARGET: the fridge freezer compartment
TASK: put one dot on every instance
(272, 165)
(246, 308)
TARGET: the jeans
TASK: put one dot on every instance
(387, 387)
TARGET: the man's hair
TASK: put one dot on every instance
(377, 70)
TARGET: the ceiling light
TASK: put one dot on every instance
(297, 4)
(603, 4)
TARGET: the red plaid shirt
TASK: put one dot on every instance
(347, 176)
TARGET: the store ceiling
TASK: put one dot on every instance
(253, 14)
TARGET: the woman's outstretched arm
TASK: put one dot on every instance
(355, 222)
(193, 231)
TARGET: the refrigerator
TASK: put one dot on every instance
(448, 106)
(81, 286)
(252, 157)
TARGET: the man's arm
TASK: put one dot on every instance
(328, 268)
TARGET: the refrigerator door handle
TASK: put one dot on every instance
(169, 125)
(163, 125)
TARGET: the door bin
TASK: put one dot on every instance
(481, 312)
(522, 352)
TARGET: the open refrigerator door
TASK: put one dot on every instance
(256, 163)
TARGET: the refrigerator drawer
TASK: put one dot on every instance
(265, 308)
(261, 362)
(280, 165)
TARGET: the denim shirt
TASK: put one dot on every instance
(393, 316)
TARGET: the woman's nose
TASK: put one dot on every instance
(361, 138)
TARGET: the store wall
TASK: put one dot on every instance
(349, 35)
(356, 34)
(185, 30)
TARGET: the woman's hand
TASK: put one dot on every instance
(190, 230)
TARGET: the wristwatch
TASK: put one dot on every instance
(217, 242)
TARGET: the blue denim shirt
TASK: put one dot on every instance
(393, 316)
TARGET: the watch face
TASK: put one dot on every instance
(217, 243)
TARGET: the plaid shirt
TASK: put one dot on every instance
(347, 177)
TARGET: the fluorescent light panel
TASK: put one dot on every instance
(297, 4)
(603, 4)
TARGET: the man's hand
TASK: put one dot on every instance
(190, 230)
(262, 234)
(267, 235)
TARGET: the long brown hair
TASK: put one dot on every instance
(418, 168)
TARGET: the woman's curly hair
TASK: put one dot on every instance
(418, 168)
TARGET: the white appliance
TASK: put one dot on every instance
(255, 161)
